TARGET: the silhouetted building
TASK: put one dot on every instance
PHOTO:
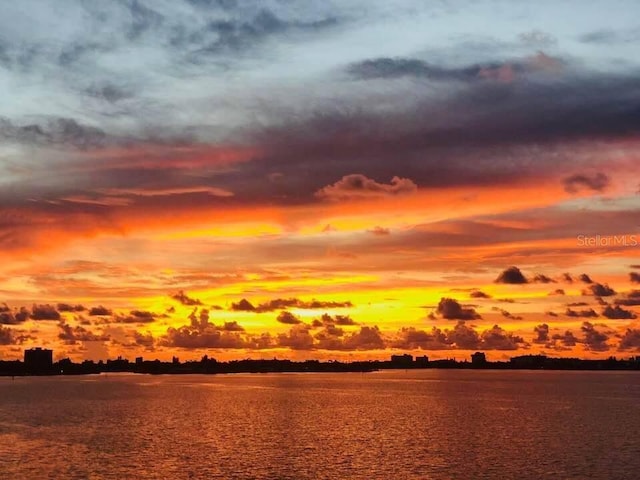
(529, 361)
(405, 359)
(478, 358)
(422, 361)
(38, 360)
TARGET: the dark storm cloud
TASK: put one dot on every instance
(599, 290)
(430, 147)
(634, 277)
(594, 339)
(512, 275)
(618, 313)
(578, 182)
(186, 300)
(451, 309)
(44, 312)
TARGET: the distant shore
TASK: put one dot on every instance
(398, 362)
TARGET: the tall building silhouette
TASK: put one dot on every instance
(38, 360)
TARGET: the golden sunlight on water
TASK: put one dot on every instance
(391, 425)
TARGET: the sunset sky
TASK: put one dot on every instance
(331, 180)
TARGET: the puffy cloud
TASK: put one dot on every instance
(587, 313)
(6, 336)
(630, 340)
(65, 307)
(512, 275)
(411, 338)
(288, 318)
(578, 182)
(72, 335)
(594, 339)
(203, 334)
(297, 338)
(630, 299)
(463, 337)
(144, 339)
(599, 290)
(540, 278)
(584, 278)
(342, 320)
(185, 299)
(367, 338)
(479, 294)
(13, 317)
(232, 327)
(496, 338)
(634, 277)
(566, 277)
(568, 339)
(542, 333)
(136, 316)
(618, 313)
(450, 309)
(245, 305)
(357, 186)
(99, 311)
(44, 312)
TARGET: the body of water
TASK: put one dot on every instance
(391, 425)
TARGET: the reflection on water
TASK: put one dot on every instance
(430, 424)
